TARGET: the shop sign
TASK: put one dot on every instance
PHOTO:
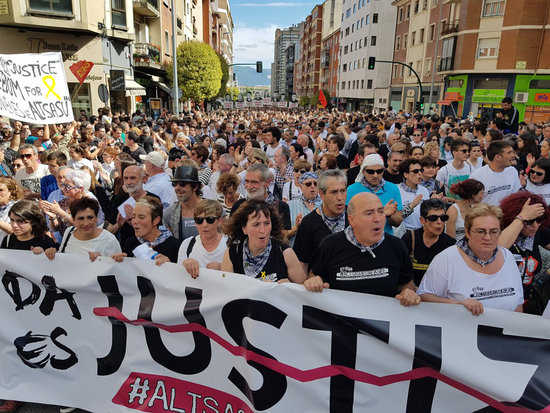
(154, 103)
(81, 70)
(542, 97)
(488, 95)
(117, 81)
(4, 8)
(453, 97)
(521, 64)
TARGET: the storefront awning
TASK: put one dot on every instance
(164, 87)
(133, 88)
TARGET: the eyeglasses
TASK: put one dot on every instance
(433, 218)
(210, 220)
(536, 173)
(26, 155)
(532, 221)
(483, 232)
(415, 171)
(417, 134)
(374, 171)
(179, 183)
(68, 187)
(308, 184)
(302, 171)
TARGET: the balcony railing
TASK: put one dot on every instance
(446, 64)
(147, 8)
(448, 28)
(146, 55)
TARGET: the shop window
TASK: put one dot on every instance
(51, 6)
(487, 48)
(118, 13)
(539, 84)
(493, 8)
(488, 83)
(455, 83)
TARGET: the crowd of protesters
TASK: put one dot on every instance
(416, 207)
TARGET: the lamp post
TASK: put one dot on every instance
(175, 91)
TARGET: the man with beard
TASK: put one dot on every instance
(179, 217)
(257, 180)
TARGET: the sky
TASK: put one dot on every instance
(255, 24)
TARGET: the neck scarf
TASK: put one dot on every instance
(335, 224)
(407, 188)
(253, 264)
(350, 236)
(525, 243)
(374, 189)
(315, 201)
(463, 245)
(270, 198)
(164, 235)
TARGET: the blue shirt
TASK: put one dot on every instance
(388, 192)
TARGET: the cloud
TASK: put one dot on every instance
(271, 4)
(254, 43)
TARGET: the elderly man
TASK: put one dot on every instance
(363, 258)
(225, 164)
(256, 182)
(158, 181)
(29, 177)
(388, 193)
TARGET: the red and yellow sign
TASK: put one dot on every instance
(542, 97)
(453, 97)
(81, 69)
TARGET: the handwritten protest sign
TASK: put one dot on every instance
(33, 88)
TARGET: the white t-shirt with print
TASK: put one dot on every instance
(449, 175)
(449, 276)
(498, 185)
(542, 190)
(200, 254)
(32, 181)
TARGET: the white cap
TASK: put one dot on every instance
(154, 157)
(372, 160)
(221, 142)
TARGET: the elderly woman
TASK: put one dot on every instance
(10, 192)
(205, 250)
(227, 186)
(291, 189)
(308, 201)
(475, 273)
(523, 234)
(255, 247)
(151, 240)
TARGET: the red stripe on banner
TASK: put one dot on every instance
(319, 372)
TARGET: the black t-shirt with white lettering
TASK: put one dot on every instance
(345, 267)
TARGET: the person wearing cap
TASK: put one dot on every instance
(308, 200)
(158, 181)
(370, 180)
(179, 217)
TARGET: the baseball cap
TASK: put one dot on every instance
(154, 157)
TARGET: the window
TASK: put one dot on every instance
(487, 48)
(356, 45)
(348, 13)
(352, 27)
(402, 71)
(362, 83)
(373, 40)
(369, 84)
(343, 85)
(347, 31)
(375, 18)
(405, 40)
(416, 5)
(410, 71)
(425, 5)
(432, 32)
(360, 41)
(363, 63)
(413, 35)
(428, 65)
(400, 14)
(118, 13)
(349, 84)
(345, 50)
(421, 39)
(493, 8)
(365, 41)
(419, 67)
(408, 11)
(353, 84)
(354, 8)
(345, 67)
(539, 84)
(367, 19)
(50, 6)
(362, 19)
(351, 47)
(166, 43)
(397, 43)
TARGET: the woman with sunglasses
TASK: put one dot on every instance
(205, 250)
(524, 214)
(471, 193)
(307, 202)
(538, 179)
(255, 246)
(477, 272)
(291, 189)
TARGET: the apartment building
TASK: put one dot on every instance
(284, 38)
(332, 12)
(80, 30)
(367, 30)
(309, 65)
(417, 43)
(496, 48)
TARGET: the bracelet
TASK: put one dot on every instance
(520, 218)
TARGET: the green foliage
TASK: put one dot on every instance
(314, 100)
(303, 101)
(225, 76)
(233, 92)
(199, 71)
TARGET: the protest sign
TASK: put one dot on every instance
(117, 337)
(33, 88)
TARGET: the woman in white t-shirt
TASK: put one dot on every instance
(206, 249)
(476, 272)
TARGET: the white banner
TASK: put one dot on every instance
(33, 88)
(228, 105)
(118, 337)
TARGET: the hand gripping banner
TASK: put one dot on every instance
(132, 336)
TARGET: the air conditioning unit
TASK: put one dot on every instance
(521, 97)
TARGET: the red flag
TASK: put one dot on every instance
(322, 99)
(81, 69)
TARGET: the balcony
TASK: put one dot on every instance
(446, 64)
(147, 8)
(449, 28)
(146, 55)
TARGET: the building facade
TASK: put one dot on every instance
(310, 54)
(496, 48)
(284, 38)
(367, 30)
(332, 12)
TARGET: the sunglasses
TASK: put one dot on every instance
(179, 183)
(26, 155)
(464, 150)
(415, 171)
(433, 218)
(417, 134)
(374, 171)
(302, 171)
(67, 187)
(210, 220)
(308, 184)
(532, 221)
(536, 173)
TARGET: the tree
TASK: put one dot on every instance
(233, 92)
(225, 76)
(199, 71)
(303, 101)
(314, 100)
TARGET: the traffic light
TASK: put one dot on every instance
(372, 61)
(259, 67)
(418, 106)
(421, 103)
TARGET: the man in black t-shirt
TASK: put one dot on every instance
(429, 240)
(364, 259)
